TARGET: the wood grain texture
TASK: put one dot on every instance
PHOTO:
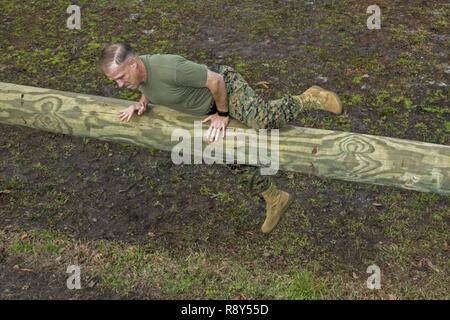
(406, 164)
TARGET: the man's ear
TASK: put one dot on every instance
(132, 63)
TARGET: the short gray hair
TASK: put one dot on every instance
(114, 53)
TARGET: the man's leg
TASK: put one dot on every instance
(248, 107)
(277, 201)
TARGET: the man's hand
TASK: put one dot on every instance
(140, 108)
(127, 113)
(218, 124)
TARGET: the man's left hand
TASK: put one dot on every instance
(218, 124)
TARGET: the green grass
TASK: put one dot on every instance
(36, 243)
(41, 167)
(15, 183)
(305, 286)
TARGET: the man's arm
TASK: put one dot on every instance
(141, 106)
(143, 100)
(216, 84)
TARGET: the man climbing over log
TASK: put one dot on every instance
(218, 93)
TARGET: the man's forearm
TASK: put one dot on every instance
(144, 100)
(221, 97)
(141, 105)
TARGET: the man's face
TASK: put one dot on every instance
(126, 74)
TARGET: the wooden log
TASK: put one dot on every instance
(406, 164)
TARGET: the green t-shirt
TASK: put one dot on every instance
(177, 83)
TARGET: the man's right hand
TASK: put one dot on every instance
(126, 114)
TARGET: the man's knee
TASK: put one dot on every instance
(265, 123)
(221, 68)
(258, 124)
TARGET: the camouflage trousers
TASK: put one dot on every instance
(250, 176)
(245, 105)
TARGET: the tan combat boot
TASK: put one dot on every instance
(277, 201)
(319, 98)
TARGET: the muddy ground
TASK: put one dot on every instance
(141, 227)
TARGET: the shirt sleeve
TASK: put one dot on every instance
(190, 74)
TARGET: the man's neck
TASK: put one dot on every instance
(143, 71)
